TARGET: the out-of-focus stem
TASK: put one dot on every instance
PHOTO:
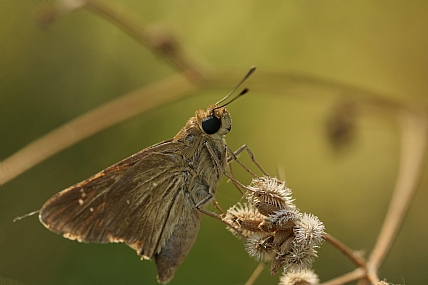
(414, 135)
(256, 273)
(356, 259)
(348, 277)
(105, 116)
(156, 37)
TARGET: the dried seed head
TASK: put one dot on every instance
(277, 263)
(283, 242)
(244, 217)
(281, 220)
(383, 283)
(309, 230)
(266, 209)
(275, 230)
(269, 195)
(260, 247)
(299, 258)
(307, 277)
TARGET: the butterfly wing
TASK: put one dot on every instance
(140, 201)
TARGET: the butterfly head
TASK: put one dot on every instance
(215, 120)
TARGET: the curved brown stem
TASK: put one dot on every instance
(105, 116)
(348, 277)
(414, 134)
(156, 37)
(256, 273)
(355, 258)
(414, 131)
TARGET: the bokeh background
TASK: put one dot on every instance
(50, 76)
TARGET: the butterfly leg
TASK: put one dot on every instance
(199, 205)
(219, 217)
(234, 156)
(217, 205)
(235, 182)
(206, 212)
(223, 170)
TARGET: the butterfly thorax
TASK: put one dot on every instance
(205, 154)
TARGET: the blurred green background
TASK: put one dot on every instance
(50, 76)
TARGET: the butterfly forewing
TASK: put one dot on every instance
(87, 211)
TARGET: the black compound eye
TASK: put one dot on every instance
(211, 124)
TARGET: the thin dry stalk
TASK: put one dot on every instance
(355, 258)
(256, 273)
(157, 38)
(116, 111)
(348, 277)
(414, 135)
(105, 116)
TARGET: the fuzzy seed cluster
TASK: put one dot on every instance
(273, 227)
(301, 278)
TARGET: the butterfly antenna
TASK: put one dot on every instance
(251, 71)
(234, 98)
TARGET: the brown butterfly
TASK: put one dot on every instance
(152, 200)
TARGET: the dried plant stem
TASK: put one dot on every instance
(256, 273)
(285, 83)
(355, 258)
(364, 281)
(348, 277)
(105, 116)
(162, 92)
(157, 38)
(414, 134)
